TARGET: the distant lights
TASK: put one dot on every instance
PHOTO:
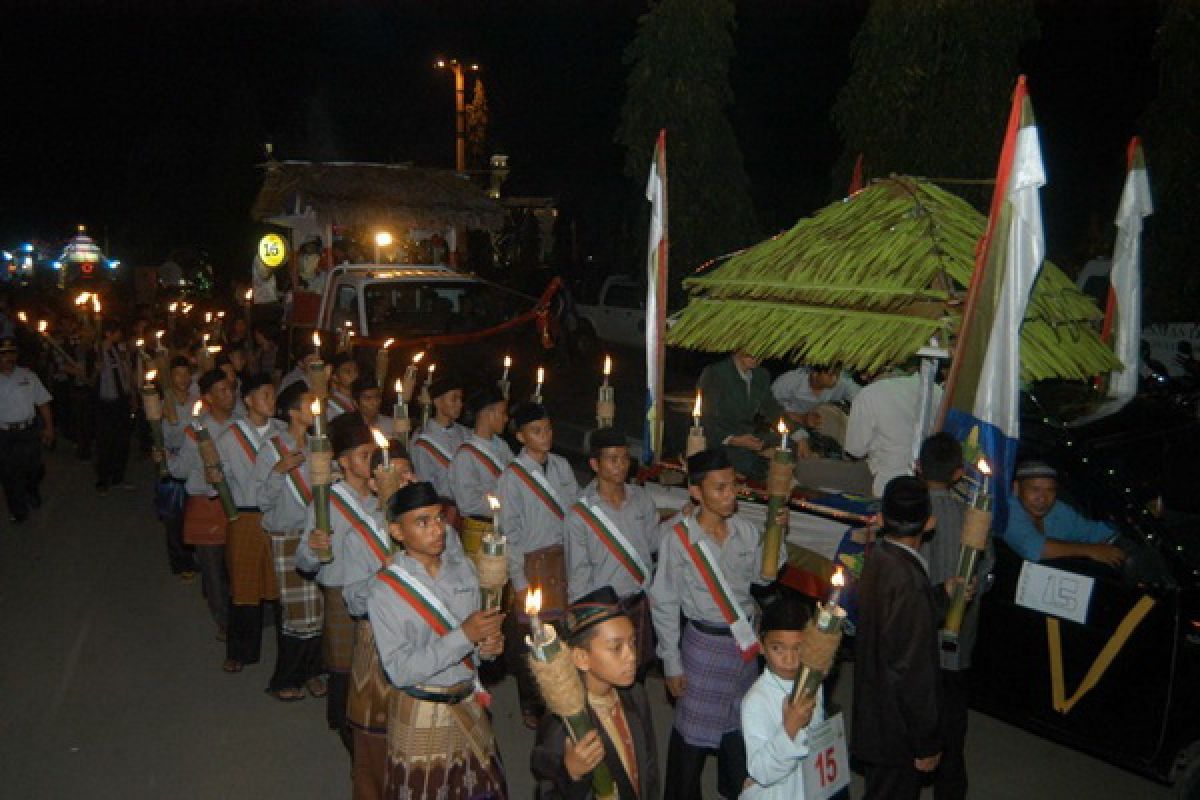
(27, 248)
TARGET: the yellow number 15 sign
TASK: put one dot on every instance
(272, 250)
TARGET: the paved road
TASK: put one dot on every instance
(110, 682)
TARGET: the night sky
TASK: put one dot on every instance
(146, 120)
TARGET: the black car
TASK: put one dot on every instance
(1138, 469)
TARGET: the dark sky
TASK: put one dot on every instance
(146, 119)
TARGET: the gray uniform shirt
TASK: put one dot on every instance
(590, 564)
(20, 391)
(338, 571)
(173, 434)
(240, 462)
(281, 511)
(470, 481)
(940, 552)
(525, 520)
(433, 450)
(409, 649)
(678, 586)
(360, 567)
(186, 465)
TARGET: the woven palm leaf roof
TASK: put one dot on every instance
(868, 280)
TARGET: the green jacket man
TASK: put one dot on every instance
(737, 401)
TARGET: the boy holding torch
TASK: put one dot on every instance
(439, 440)
(940, 464)
(478, 463)
(706, 564)
(431, 635)
(179, 395)
(341, 384)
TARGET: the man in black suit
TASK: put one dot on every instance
(897, 679)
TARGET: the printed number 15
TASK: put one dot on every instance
(827, 766)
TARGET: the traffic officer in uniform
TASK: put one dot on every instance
(23, 398)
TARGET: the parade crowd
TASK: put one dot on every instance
(387, 607)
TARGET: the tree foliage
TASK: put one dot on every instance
(679, 80)
(930, 87)
(1173, 161)
(477, 125)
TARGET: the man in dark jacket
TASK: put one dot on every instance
(897, 680)
(737, 404)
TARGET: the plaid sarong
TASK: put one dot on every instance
(337, 641)
(248, 557)
(367, 706)
(441, 750)
(717, 679)
(300, 598)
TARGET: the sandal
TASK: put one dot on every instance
(232, 666)
(289, 695)
(317, 687)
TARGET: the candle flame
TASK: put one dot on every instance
(316, 340)
(249, 295)
(348, 324)
(493, 502)
(380, 439)
(214, 349)
(533, 601)
(96, 303)
(159, 334)
(151, 375)
(782, 428)
(507, 361)
(197, 408)
(696, 407)
(207, 317)
(204, 339)
(399, 388)
(607, 366)
(432, 367)
(42, 325)
(315, 407)
(417, 358)
(173, 307)
(22, 316)
(187, 308)
(388, 343)
(838, 578)
(139, 344)
(541, 375)
(220, 315)
(984, 468)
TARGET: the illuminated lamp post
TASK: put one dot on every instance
(382, 239)
(460, 108)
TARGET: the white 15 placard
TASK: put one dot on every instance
(827, 767)
(1055, 591)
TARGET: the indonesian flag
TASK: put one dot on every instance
(656, 301)
(983, 393)
(1123, 314)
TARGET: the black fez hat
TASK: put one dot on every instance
(595, 607)
(607, 437)
(348, 431)
(527, 413)
(181, 361)
(210, 379)
(484, 397)
(420, 494)
(906, 505)
(341, 358)
(704, 462)
(365, 383)
(444, 383)
(222, 359)
(253, 381)
(290, 398)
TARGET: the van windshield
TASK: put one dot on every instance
(414, 308)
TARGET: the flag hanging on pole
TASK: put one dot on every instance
(1123, 315)
(982, 398)
(656, 302)
(856, 177)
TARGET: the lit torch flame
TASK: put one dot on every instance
(417, 358)
(22, 316)
(400, 389)
(696, 407)
(380, 439)
(838, 578)
(42, 325)
(493, 502)
(96, 303)
(541, 375)
(388, 343)
(151, 375)
(316, 340)
(249, 295)
(607, 366)
(173, 307)
(507, 362)
(533, 602)
(315, 408)
(197, 408)
(783, 429)
(983, 467)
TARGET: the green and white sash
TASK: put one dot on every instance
(343, 499)
(535, 481)
(247, 438)
(709, 570)
(440, 454)
(613, 540)
(295, 480)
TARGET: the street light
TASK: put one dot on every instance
(382, 239)
(460, 108)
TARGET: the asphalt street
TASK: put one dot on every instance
(110, 682)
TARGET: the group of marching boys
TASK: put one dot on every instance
(381, 614)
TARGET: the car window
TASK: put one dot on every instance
(415, 308)
(624, 296)
(345, 306)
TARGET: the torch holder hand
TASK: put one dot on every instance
(976, 525)
(818, 649)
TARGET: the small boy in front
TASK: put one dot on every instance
(775, 728)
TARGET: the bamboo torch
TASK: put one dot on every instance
(606, 406)
(426, 399)
(976, 524)
(695, 441)
(504, 384)
(821, 639)
(381, 363)
(320, 468)
(387, 478)
(318, 372)
(213, 471)
(153, 407)
(779, 489)
(561, 686)
(401, 424)
(492, 561)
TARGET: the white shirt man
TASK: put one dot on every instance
(882, 425)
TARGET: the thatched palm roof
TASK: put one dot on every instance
(866, 282)
(375, 194)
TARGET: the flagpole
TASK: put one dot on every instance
(982, 248)
(656, 302)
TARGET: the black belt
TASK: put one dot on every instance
(711, 630)
(447, 698)
(248, 510)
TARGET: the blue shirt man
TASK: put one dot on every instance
(1041, 528)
